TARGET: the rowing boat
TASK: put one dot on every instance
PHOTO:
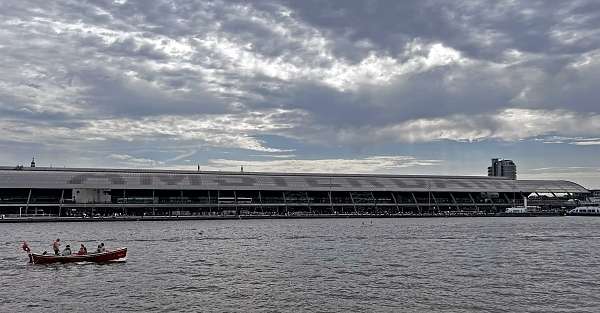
(92, 257)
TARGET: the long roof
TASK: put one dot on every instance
(66, 178)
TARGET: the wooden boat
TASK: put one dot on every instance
(90, 257)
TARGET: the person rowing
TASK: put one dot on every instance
(26, 248)
(56, 246)
(101, 248)
(82, 250)
(67, 250)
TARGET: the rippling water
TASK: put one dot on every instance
(325, 265)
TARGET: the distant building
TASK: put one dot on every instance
(503, 168)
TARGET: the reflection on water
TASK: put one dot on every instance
(408, 265)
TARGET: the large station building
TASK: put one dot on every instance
(73, 192)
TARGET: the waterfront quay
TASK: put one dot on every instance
(149, 218)
(132, 194)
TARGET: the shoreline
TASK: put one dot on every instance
(49, 219)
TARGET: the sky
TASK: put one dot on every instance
(394, 87)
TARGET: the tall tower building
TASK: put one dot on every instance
(503, 168)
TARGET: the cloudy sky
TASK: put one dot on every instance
(407, 87)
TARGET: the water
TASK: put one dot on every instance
(325, 265)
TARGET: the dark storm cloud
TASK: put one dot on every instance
(390, 25)
(421, 95)
(463, 25)
(110, 94)
(572, 88)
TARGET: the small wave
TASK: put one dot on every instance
(298, 237)
(218, 238)
(316, 276)
(173, 239)
(358, 237)
(196, 289)
(143, 240)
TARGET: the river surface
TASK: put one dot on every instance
(549, 264)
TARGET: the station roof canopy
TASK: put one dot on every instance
(67, 178)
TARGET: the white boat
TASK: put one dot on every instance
(524, 209)
(585, 210)
(517, 210)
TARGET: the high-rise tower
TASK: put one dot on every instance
(503, 168)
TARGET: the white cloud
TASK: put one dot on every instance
(505, 125)
(314, 60)
(587, 143)
(373, 164)
(378, 69)
(131, 161)
(222, 131)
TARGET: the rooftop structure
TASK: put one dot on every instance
(62, 191)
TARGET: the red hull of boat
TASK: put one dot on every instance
(92, 257)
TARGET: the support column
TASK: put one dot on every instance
(374, 203)
(436, 204)
(153, 202)
(209, 203)
(27, 205)
(507, 199)
(61, 201)
(416, 202)
(124, 202)
(395, 202)
(473, 200)
(235, 201)
(262, 208)
(285, 202)
(353, 203)
(180, 209)
(454, 201)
